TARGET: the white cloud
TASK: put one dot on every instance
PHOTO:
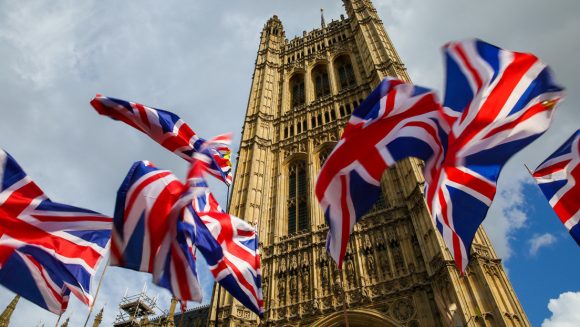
(564, 310)
(539, 241)
(508, 212)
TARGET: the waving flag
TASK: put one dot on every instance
(558, 178)
(496, 103)
(228, 244)
(396, 121)
(148, 235)
(169, 130)
(47, 249)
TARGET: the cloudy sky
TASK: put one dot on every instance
(196, 59)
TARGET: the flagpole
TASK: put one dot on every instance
(343, 298)
(58, 320)
(217, 308)
(529, 170)
(97, 292)
(183, 308)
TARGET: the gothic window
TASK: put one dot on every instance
(348, 110)
(321, 83)
(342, 112)
(298, 217)
(319, 119)
(345, 72)
(327, 116)
(313, 121)
(297, 89)
(333, 114)
(304, 127)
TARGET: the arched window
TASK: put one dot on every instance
(297, 89)
(345, 72)
(298, 217)
(321, 83)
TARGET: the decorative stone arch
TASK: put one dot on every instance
(323, 149)
(357, 318)
(293, 157)
(338, 54)
(321, 65)
(352, 60)
(316, 62)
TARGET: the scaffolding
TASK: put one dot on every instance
(135, 309)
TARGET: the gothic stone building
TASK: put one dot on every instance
(397, 270)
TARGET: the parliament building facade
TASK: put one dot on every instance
(397, 270)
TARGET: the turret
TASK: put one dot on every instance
(369, 32)
(98, 318)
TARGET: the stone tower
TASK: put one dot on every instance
(7, 313)
(397, 271)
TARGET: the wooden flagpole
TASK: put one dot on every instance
(97, 292)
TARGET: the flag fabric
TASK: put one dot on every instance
(170, 131)
(496, 102)
(47, 249)
(558, 178)
(397, 120)
(228, 244)
(148, 235)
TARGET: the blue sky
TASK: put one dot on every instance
(550, 271)
(196, 58)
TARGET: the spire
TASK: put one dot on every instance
(5, 316)
(98, 318)
(322, 23)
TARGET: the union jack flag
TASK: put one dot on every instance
(148, 234)
(558, 178)
(228, 244)
(47, 249)
(496, 103)
(397, 120)
(170, 131)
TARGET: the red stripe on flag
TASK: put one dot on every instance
(345, 218)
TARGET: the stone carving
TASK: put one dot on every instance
(305, 261)
(305, 282)
(281, 291)
(367, 245)
(397, 255)
(293, 288)
(350, 272)
(380, 241)
(282, 268)
(371, 265)
(293, 264)
(403, 310)
(324, 276)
